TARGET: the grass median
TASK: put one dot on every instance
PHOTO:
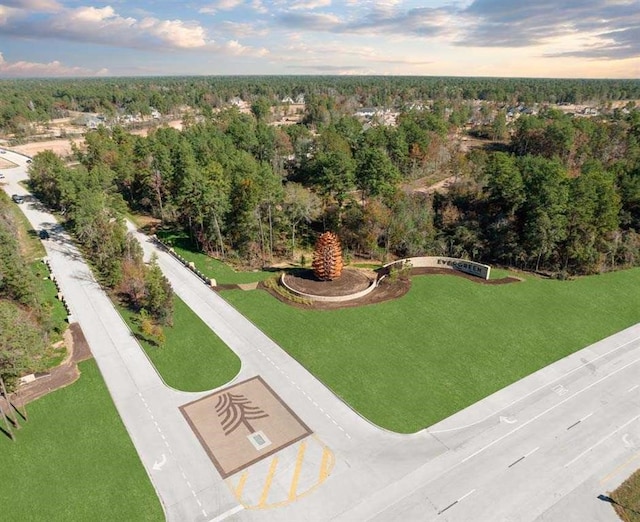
(193, 358)
(212, 268)
(408, 363)
(73, 460)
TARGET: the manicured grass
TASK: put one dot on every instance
(499, 273)
(193, 358)
(73, 460)
(408, 363)
(50, 292)
(30, 244)
(212, 268)
(627, 498)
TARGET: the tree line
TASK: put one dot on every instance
(563, 196)
(566, 198)
(93, 210)
(28, 101)
(26, 322)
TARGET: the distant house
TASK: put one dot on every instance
(238, 102)
(92, 122)
(287, 99)
(155, 114)
(366, 112)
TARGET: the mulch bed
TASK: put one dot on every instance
(388, 290)
(60, 376)
(350, 282)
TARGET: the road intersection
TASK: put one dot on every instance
(543, 448)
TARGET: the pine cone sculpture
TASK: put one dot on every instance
(327, 257)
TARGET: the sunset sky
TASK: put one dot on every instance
(536, 38)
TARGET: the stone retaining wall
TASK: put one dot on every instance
(463, 265)
(189, 264)
(331, 298)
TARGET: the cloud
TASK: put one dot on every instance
(601, 29)
(235, 48)
(365, 54)
(420, 21)
(308, 4)
(312, 21)
(105, 26)
(504, 23)
(258, 6)
(239, 29)
(382, 18)
(331, 69)
(39, 6)
(175, 33)
(220, 5)
(615, 45)
(5, 14)
(16, 10)
(33, 69)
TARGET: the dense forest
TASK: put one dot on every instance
(27, 324)
(92, 209)
(23, 102)
(562, 195)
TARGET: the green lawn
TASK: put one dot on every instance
(73, 460)
(407, 364)
(499, 273)
(49, 290)
(212, 268)
(193, 358)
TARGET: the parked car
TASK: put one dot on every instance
(28, 161)
(1, 175)
(2, 151)
(44, 234)
(17, 198)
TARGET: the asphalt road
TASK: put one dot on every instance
(541, 449)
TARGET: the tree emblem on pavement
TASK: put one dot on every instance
(236, 409)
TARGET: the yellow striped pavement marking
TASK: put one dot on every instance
(306, 461)
(296, 472)
(241, 483)
(267, 484)
(326, 465)
(606, 478)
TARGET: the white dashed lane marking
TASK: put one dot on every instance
(293, 383)
(166, 443)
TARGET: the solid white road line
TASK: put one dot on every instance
(539, 388)
(601, 441)
(499, 439)
(227, 514)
